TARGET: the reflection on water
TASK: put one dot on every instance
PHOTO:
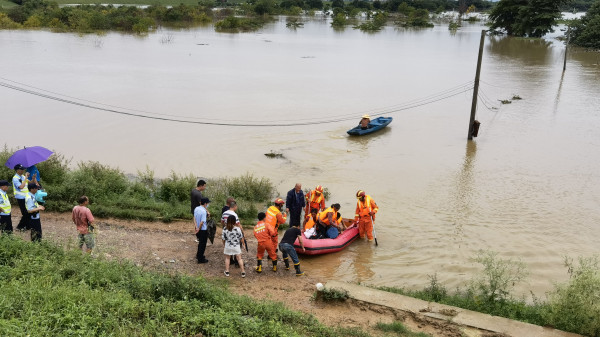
(526, 187)
(527, 51)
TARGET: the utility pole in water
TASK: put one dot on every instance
(566, 48)
(472, 129)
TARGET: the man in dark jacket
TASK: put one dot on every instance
(294, 204)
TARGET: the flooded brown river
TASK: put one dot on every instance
(527, 187)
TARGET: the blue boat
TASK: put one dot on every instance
(374, 125)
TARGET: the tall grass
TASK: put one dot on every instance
(50, 292)
(113, 194)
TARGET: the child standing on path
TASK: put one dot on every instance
(232, 239)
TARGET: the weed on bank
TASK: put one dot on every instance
(47, 291)
(114, 194)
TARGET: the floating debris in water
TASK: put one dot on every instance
(274, 155)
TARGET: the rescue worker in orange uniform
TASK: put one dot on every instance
(274, 218)
(366, 208)
(315, 199)
(264, 235)
(327, 218)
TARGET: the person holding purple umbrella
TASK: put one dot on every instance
(20, 181)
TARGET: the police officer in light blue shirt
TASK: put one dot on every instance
(19, 182)
(33, 208)
(200, 217)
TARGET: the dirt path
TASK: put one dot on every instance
(172, 247)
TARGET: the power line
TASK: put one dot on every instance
(445, 94)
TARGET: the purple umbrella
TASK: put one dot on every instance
(28, 156)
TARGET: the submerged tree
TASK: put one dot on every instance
(531, 18)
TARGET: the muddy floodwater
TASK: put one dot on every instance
(527, 187)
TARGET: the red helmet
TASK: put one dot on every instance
(279, 201)
(360, 194)
(319, 188)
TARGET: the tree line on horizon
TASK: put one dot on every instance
(523, 18)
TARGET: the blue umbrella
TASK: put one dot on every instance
(28, 156)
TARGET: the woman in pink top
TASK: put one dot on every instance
(83, 219)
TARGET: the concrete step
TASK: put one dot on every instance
(448, 313)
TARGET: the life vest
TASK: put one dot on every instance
(271, 217)
(20, 192)
(313, 199)
(324, 218)
(5, 203)
(364, 208)
(310, 223)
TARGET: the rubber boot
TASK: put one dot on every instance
(258, 267)
(275, 265)
(298, 271)
(287, 263)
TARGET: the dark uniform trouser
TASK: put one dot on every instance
(202, 237)
(25, 217)
(36, 229)
(6, 224)
(295, 217)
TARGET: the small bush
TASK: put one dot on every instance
(498, 278)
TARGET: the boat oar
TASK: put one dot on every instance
(374, 234)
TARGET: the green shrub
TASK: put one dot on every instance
(574, 306)
(237, 24)
(498, 278)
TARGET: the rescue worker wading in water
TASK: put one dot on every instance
(365, 214)
(275, 218)
(315, 199)
(264, 234)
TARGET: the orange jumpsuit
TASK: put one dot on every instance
(275, 218)
(314, 201)
(263, 233)
(363, 215)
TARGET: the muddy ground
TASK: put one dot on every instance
(172, 247)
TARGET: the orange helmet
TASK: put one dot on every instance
(319, 188)
(279, 201)
(360, 194)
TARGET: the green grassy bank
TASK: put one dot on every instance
(47, 291)
(573, 306)
(114, 194)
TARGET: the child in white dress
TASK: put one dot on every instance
(232, 239)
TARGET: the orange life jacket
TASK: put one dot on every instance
(272, 217)
(311, 222)
(324, 218)
(365, 208)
